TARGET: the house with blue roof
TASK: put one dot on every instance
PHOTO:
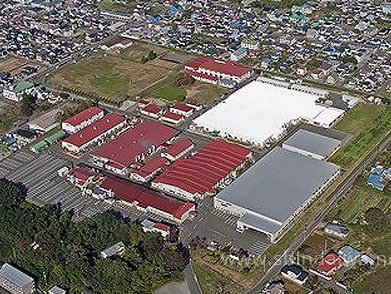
(337, 230)
(379, 177)
(348, 254)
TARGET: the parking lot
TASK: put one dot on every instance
(39, 174)
(218, 226)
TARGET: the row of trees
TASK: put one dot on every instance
(68, 253)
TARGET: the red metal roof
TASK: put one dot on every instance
(162, 227)
(83, 173)
(201, 172)
(179, 146)
(135, 142)
(182, 107)
(201, 75)
(152, 109)
(229, 67)
(329, 263)
(83, 115)
(95, 129)
(172, 116)
(195, 63)
(152, 166)
(132, 193)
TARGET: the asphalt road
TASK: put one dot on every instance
(340, 191)
(191, 280)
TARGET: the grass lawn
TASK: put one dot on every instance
(169, 93)
(367, 123)
(211, 282)
(203, 93)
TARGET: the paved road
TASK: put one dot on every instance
(340, 191)
(191, 280)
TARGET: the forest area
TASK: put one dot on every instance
(45, 243)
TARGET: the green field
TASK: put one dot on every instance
(213, 283)
(169, 93)
(367, 123)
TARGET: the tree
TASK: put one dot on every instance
(151, 55)
(184, 79)
(376, 218)
(69, 252)
(27, 105)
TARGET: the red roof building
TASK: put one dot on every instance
(197, 106)
(182, 109)
(172, 117)
(207, 69)
(177, 149)
(148, 200)
(94, 133)
(202, 173)
(82, 119)
(149, 169)
(133, 146)
(143, 103)
(152, 111)
(330, 264)
(81, 176)
(155, 227)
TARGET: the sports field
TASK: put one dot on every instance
(108, 76)
(113, 75)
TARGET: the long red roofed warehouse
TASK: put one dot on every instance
(133, 146)
(82, 119)
(226, 74)
(200, 174)
(148, 200)
(93, 134)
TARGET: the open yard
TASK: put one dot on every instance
(169, 93)
(115, 77)
(125, 6)
(367, 123)
(108, 76)
(213, 283)
(315, 248)
(378, 282)
(203, 93)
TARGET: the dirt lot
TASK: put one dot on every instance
(316, 246)
(204, 93)
(12, 65)
(15, 65)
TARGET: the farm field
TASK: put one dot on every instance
(367, 123)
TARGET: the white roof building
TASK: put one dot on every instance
(259, 112)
